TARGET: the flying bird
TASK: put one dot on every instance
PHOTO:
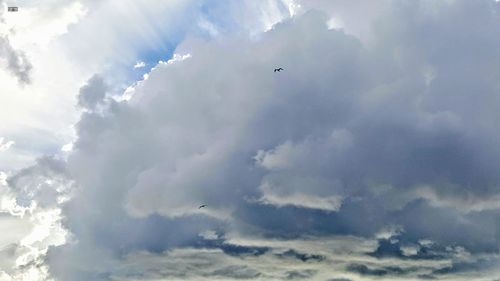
(278, 69)
(202, 206)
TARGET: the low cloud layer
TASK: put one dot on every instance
(365, 158)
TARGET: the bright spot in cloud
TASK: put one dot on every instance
(140, 64)
(67, 147)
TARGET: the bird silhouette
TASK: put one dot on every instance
(278, 69)
(202, 206)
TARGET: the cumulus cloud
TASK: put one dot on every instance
(355, 162)
(363, 123)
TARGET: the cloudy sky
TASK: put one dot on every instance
(374, 154)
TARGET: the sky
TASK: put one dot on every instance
(373, 155)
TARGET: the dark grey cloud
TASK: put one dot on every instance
(372, 124)
(44, 183)
(466, 266)
(365, 270)
(353, 138)
(236, 272)
(15, 61)
(93, 92)
(394, 248)
(301, 256)
(238, 250)
(303, 274)
(362, 269)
